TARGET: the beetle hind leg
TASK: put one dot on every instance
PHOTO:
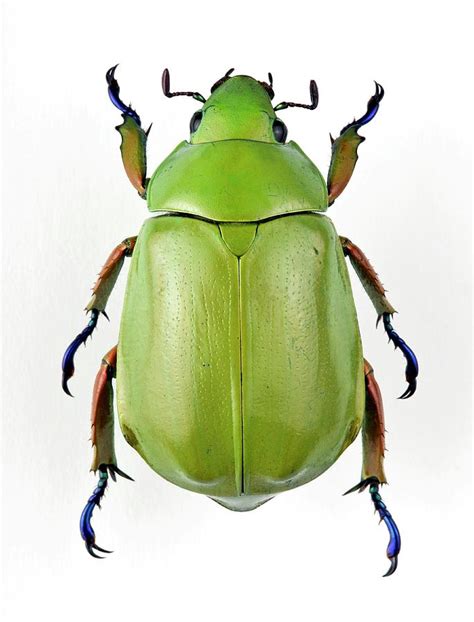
(373, 475)
(104, 460)
(393, 548)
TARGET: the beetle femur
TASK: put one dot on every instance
(165, 83)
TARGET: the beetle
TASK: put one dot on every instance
(239, 366)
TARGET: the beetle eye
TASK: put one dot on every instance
(195, 121)
(280, 131)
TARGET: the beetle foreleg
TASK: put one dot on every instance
(376, 292)
(344, 148)
(104, 460)
(100, 295)
(134, 137)
(373, 442)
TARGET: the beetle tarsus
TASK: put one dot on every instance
(87, 532)
(393, 566)
(372, 108)
(412, 368)
(114, 94)
(68, 358)
(395, 542)
(90, 549)
(115, 470)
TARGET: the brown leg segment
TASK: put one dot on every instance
(373, 443)
(368, 277)
(102, 413)
(376, 292)
(96, 305)
(373, 429)
(102, 417)
(109, 274)
(104, 460)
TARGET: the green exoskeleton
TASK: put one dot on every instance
(239, 366)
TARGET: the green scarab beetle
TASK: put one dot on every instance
(239, 365)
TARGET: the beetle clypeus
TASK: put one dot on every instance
(239, 365)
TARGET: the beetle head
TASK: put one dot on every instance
(239, 108)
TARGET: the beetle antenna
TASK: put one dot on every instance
(165, 83)
(224, 78)
(314, 95)
(268, 86)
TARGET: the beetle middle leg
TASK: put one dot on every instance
(100, 295)
(376, 292)
(104, 460)
(373, 475)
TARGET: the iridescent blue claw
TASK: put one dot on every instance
(114, 94)
(68, 358)
(87, 532)
(412, 368)
(395, 541)
(372, 108)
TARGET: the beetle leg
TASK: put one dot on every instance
(134, 137)
(376, 292)
(100, 295)
(104, 460)
(373, 429)
(109, 274)
(373, 475)
(395, 542)
(344, 148)
(68, 358)
(368, 277)
(412, 368)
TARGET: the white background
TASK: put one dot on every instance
(310, 554)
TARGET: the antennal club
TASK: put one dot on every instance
(165, 83)
(224, 78)
(268, 86)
